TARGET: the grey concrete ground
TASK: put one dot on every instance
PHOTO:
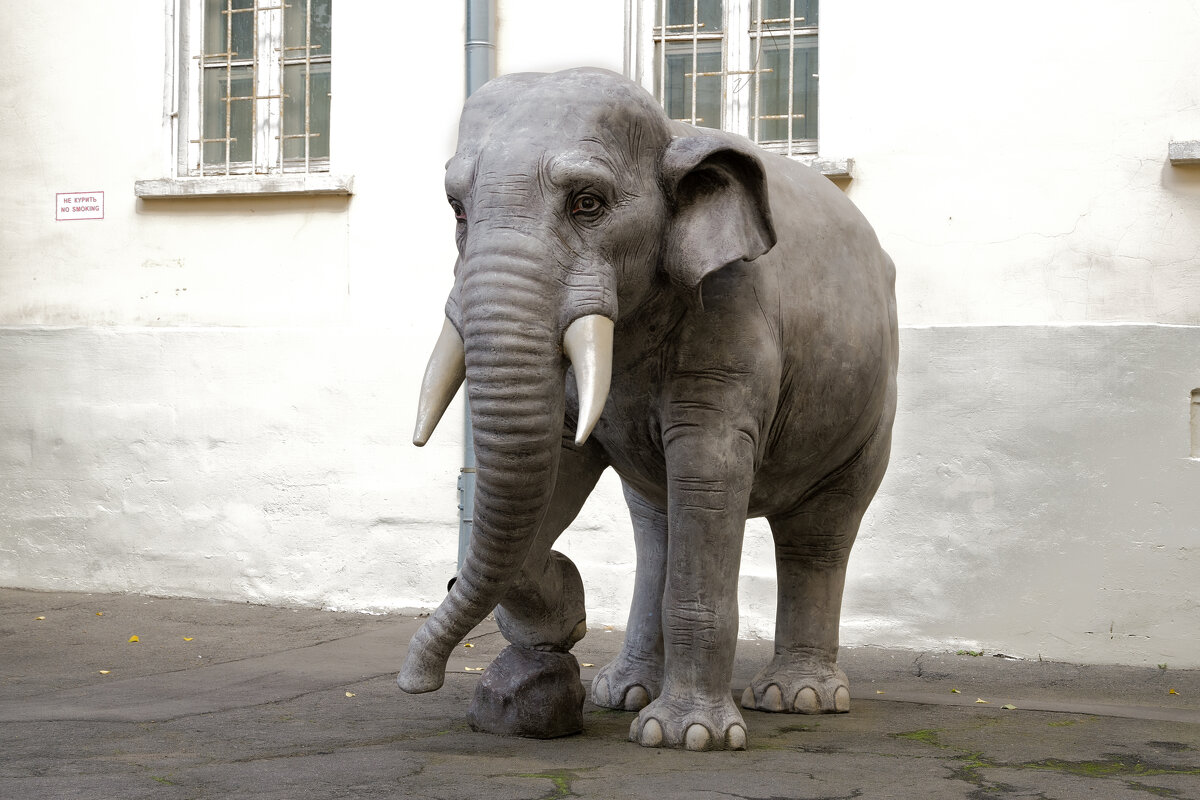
(229, 700)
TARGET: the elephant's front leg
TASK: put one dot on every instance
(532, 688)
(710, 468)
(544, 608)
(634, 677)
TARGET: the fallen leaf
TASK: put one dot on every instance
(349, 694)
(104, 671)
(585, 664)
(1009, 707)
(955, 691)
(188, 638)
(473, 669)
(39, 617)
(981, 700)
(134, 638)
(467, 644)
(877, 691)
(1172, 691)
(99, 613)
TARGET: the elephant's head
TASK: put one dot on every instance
(574, 203)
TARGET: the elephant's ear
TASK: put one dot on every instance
(717, 196)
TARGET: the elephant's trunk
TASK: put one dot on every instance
(515, 378)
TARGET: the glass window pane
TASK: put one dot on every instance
(240, 84)
(773, 90)
(293, 111)
(217, 14)
(294, 26)
(319, 111)
(804, 11)
(678, 100)
(709, 13)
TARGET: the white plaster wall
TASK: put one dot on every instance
(1014, 160)
(215, 397)
(549, 35)
(265, 465)
(1041, 500)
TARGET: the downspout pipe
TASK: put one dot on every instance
(481, 43)
(480, 68)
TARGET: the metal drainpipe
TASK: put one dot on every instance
(481, 67)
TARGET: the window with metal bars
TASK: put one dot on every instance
(748, 66)
(261, 87)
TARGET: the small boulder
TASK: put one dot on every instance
(533, 693)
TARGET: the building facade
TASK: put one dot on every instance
(225, 251)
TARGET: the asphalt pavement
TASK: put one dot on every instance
(228, 700)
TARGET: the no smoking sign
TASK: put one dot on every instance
(79, 205)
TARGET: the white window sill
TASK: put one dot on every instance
(838, 169)
(1184, 153)
(313, 183)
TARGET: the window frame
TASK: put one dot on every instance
(738, 35)
(267, 67)
(181, 122)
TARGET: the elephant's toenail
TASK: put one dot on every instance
(636, 698)
(736, 738)
(600, 693)
(748, 698)
(772, 699)
(697, 737)
(633, 730)
(652, 734)
(806, 701)
(841, 700)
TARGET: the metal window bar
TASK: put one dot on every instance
(756, 113)
(307, 61)
(227, 67)
(254, 60)
(691, 33)
(791, 76)
(755, 109)
(695, 52)
(662, 51)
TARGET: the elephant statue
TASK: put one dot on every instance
(715, 322)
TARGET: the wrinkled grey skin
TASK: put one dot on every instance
(754, 364)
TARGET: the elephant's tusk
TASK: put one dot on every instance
(444, 374)
(588, 343)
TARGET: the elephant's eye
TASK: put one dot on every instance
(587, 205)
(460, 213)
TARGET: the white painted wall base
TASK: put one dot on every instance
(1040, 501)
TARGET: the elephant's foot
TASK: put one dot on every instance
(692, 723)
(545, 610)
(797, 684)
(627, 683)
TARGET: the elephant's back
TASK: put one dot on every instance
(833, 275)
(836, 304)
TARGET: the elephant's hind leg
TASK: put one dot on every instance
(812, 547)
(634, 677)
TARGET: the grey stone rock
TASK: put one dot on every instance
(531, 693)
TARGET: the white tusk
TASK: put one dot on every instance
(588, 343)
(444, 374)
